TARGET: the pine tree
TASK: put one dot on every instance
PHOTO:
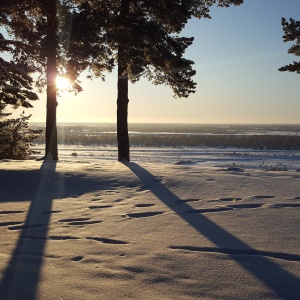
(143, 37)
(51, 55)
(145, 48)
(15, 90)
(292, 33)
(16, 137)
(35, 24)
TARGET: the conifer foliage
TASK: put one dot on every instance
(291, 30)
(143, 36)
(15, 91)
(16, 137)
(35, 23)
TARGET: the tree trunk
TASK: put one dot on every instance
(122, 114)
(122, 102)
(51, 130)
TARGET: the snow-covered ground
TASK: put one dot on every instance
(200, 156)
(184, 223)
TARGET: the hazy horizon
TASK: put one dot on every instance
(178, 123)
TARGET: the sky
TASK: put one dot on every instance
(237, 54)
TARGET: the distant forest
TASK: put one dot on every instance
(272, 137)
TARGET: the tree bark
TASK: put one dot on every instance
(51, 129)
(122, 114)
(122, 102)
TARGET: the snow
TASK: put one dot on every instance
(89, 227)
(200, 156)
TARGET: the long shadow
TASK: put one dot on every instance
(284, 284)
(21, 278)
(22, 275)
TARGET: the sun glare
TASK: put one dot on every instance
(62, 83)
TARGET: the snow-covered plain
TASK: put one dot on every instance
(175, 223)
(200, 156)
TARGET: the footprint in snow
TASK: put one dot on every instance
(144, 214)
(21, 227)
(4, 224)
(7, 212)
(263, 197)
(223, 208)
(107, 241)
(77, 258)
(49, 212)
(231, 199)
(187, 200)
(286, 205)
(78, 221)
(99, 206)
(144, 205)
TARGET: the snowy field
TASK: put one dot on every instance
(175, 223)
(187, 144)
(288, 160)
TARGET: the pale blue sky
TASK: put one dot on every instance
(237, 54)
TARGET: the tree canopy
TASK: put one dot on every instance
(141, 37)
(15, 91)
(291, 30)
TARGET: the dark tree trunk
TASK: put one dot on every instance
(51, 130)
(122, 112)
(122, 102)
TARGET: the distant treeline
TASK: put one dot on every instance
(268, 142)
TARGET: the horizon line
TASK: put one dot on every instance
(171, 123)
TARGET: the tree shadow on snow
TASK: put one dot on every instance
(282, 283)
(21, 277)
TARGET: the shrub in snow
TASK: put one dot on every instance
(16, 138)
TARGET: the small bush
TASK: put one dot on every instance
(16, 138)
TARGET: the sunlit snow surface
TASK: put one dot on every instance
(221, 146)
(281, 160)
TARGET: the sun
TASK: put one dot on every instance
(62, 83)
